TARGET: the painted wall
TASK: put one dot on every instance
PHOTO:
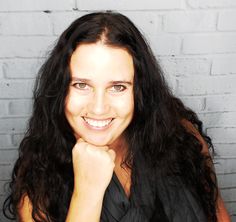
(195, 41)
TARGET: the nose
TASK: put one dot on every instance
(99, 104)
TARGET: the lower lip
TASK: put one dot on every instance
(97, 128)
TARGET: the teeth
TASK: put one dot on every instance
(97, 123)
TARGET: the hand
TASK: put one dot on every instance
(93, 168)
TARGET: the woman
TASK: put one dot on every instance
(107, 141)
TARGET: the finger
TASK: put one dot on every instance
(112, 154)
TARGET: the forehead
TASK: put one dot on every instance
(99, 60)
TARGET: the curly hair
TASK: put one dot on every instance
(43, 170)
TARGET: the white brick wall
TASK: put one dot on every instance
(195, 41)
(224, 65)
(208, 4)
(36, 5)
(25, 24)
(209, 43)
(196, 21)
(225, 21)
(130, 5)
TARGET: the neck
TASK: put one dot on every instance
(120, 147)
(123, 173)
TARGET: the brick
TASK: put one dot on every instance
(211, 3)
(225, 166)
(1, 70)
(5, 141)
(3, 218)
(225, 65)
(171, 81)
(2, 199)
(229, 194)
(198, 21)
(209, 43)
(8, 156)
(222, 135)
(20, 107)
(206, 85)
(3, 187)
(16, 139)
(221, 103)
(3, 107)
(27, 46)
(218, 119)
(186, 66)
(29, 5)
(16, 89)
(13, 125)
(227, 20)
(160, 47)
(25, 24)
(197, 104)
(231, 206)
(129, 5)
(21, 68)
(151, 25)
(59, 24)
(5, 171)
(225, 150)
(226, 180)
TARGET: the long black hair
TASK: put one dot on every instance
(43, 170)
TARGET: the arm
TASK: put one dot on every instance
(25, 210)
(78, 210)
(93, 169)
(222, 214)
(85, 208)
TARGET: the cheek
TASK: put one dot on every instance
(125, 106)
(74, 105)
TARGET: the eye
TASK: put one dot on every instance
(118, 88)
(81, 85)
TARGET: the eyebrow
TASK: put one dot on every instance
(111, 82)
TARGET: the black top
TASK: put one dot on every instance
(175, 203)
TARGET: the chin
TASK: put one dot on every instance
(98, 142)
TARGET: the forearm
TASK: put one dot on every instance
(84, 208)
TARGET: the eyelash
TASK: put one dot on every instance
(79, 84)
(120, 86)
(112, 88)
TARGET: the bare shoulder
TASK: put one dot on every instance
(25, 209)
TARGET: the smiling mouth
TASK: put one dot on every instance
(99, 124)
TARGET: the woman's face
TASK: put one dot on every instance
(100, 102)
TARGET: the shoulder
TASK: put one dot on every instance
(25, 209)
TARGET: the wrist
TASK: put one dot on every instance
(84, 207)
(86, 196)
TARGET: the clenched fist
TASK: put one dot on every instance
(93, 167)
